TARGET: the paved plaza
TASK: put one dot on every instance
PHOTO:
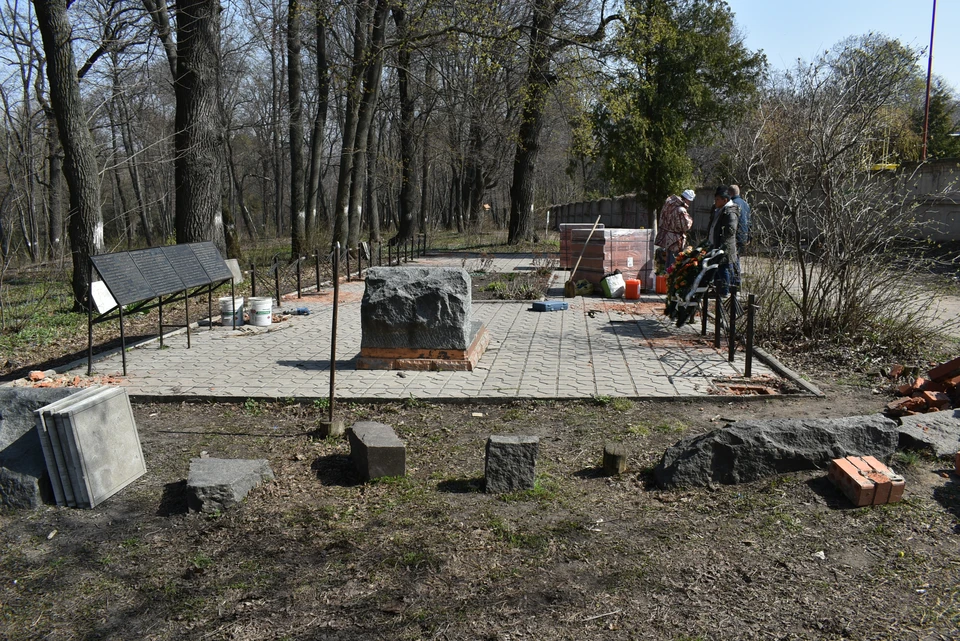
(597, 347)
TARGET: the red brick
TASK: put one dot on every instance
(918, 384)
(935, 399)
(36, 375)
(956, 463)
(856, 487)
(907, 404)
(930, 386)
(945, 369)
(896, 370)
(881, 487)
(897, 483)
(950, 383)
(905, 390)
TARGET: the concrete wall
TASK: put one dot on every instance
(934, 186)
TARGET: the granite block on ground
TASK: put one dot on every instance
(751, 450)
(938, 432)
(416, 307)
(511, 463)
(24, 480)
(376, 450)
(216, 484)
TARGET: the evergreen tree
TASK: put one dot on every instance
(683, 72)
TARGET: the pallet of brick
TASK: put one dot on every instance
(865, 480)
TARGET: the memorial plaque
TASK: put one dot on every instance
(212, 261)
(157, 271)
(123, 279)
(185, 263)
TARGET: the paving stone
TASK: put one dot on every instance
(216, 484)
(510, 463)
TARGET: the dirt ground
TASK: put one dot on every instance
(316, 555)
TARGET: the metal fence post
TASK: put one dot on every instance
(276, 279)
(299, 258)
(751, 313)
(732, 330)
(253, 280)
(316, 255)
(716, 319)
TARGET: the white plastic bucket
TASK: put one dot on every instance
(227, 311)
(261, 311)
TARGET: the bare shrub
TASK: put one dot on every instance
(830, 231)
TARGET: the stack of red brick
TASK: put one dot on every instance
(939, 390)
(866, 481)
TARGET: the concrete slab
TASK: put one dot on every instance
(216, 484)
(52, 450)
(102, 437)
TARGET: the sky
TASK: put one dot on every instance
(791, 29)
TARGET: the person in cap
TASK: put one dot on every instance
(674, 223)
(723, 235)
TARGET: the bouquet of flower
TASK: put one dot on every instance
(683, 272)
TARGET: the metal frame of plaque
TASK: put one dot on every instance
(160, 274)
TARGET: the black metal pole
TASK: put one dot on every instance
(926, 107)
(316, 255)
(732, 330)
(299, 284)
(333, 331)
(90, 321)
(253, 280)
(704, 308)
(233, 301)
(123, 341)
(276, 280)
(186, 314)
(160, 307)
(346, 256)
(389, 255)
(751, 312)
(716, 319)
(380, 254)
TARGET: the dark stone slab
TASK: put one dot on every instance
(376, 450)
(24, 482)
(417, 307)
(122, 278)
(216, 484)
(938, 432)
(511, 463)
(751, 450)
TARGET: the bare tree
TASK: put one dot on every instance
(80, 163)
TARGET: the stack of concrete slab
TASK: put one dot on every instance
(91, 446)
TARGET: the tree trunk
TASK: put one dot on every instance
(316, 200)
(528, 137)
(80, 162)
(298, 221)
(55, 186)
(349, 137)
(408, 223)
(198, 136)
(372, 206)
(368, 104)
